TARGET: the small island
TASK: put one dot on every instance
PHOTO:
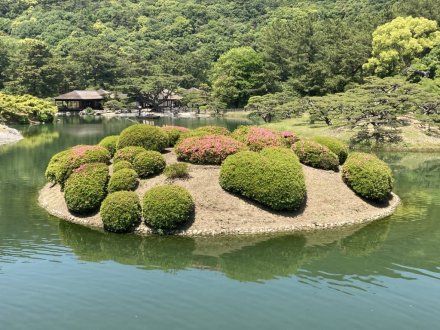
(210, 181)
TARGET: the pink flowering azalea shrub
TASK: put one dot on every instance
(63, 163)
(258, 138)
(174, 133)
(289, 138)
(208, 150)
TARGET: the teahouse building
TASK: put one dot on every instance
(79, 100)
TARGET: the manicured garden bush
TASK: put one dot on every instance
(316, 155)
(145, 136)
(122, 164)
(273, 178)
(167, 207)
(368, 176)
(258, 138)
(149, 163)
(124, 179)
(176, 171)
(204, 131)
(208, 150)
(121, 211)
(336, 146)
(128, 154)
(110, 143)
(63, 163)
(289, 138)
(86, 187)
(174, 133)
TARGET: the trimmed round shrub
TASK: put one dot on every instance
(128, 154)
(174, 133)
(368, 176)
(124, 179)
(289, 138)
(167, 207)
(145, 136)
(110, 143)
(121, 211)
(177, 171)
(336, 146)
(86, 188)
(63, 163)
(316, 155)
(122, 164)
(273, 178)
(149, 163)
(208, 150)
(258, 138)
(204, 131)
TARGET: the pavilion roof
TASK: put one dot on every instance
(80, 96)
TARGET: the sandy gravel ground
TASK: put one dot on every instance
(9, 135)
(330, 204)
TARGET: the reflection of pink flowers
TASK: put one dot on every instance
(259, 138)
(210, 149)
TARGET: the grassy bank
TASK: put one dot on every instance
(413, 138)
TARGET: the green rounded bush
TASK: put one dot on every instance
(368, 176)
(122, 164)
(124, 179)
(63, 163)
(177, 171)
(316, 155)
(128, 154)
(86, 188)
(174, 133)
(338, 147)
(149, 163)
(273, 178)
(204, 131)
(110, 143)
(167, 207)
(145, 136)
(121, 211)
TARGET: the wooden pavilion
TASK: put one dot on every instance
(79, 100)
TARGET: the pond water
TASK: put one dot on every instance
(56, 275)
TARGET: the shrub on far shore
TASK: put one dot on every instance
(149, 163)
(122, 164)
(128, 154)
(124, 179)
(145, 136)
(316, 155)
(368, 176)
(273, 178)
(110, 142)
(86, 188)
(207, 150)
(336, 146)
(258, 138)
(63, 163)
(167, 207)
(177, 171)
(121, 211)
(174, 133)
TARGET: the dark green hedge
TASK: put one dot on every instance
(146, 136)
(122, 164)
(124, 179)
(110, 143)
(149, 163)
(63, 163)
(167, 207)
(86, 188)
(316, 155)
(273, 178)
(128, 154)
(338, 147)
(368, 176)
(121, 211)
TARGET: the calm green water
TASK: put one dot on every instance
(55, 275)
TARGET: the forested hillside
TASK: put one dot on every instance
(51, 46)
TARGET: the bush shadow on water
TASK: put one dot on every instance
(242, 258)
